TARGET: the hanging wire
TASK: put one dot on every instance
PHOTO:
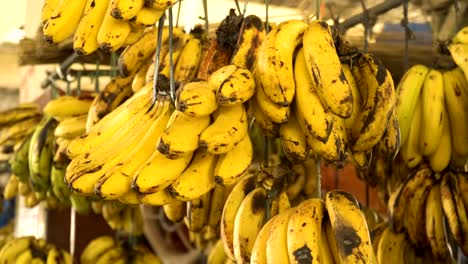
(408, 34)
(238, 6)
(113, 65)
(157, 61)
(367, 26)
(78, 83)
(245, 7)
(335, 18)
(171, 60)
(317, 9)
(205, 10)
(178, 13)
(96, 78)
(267, 26)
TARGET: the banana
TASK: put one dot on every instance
(122, 9)
(158, 198)
(114, 94)
(415, 209)
(112, 32)
(276, 113)
(410, 151)
(159, 173)
(233, 85)
(198, 212)
(231, 166)
(11, 187)
(139, 80)
(64, 20)
(461, 36)
(216, 56)
(117, 181)
(449, 205)
(463, 186)
(350, 228)
(197, 179)
(182, 135)
(40, 154)
(218, 197)
(162, 4)
(277, 244)
(296, 181)
(147, 17)
(435, 225)
(47, 10)
(217, 255)
(24, 188)
(71, 127)
(456, 103)
(187, 65)
(325, 69)
(66, 106)
(231, 207)
(452, 182)
(57, 179)
(134, 56)
(96, 248)
(362, 160)
(378, 102)
(145, 257)
(459, 54)
(407, 94)
(432, 112)
(112, 255)
(13, 249)
(228, 129)
(55, 256)
(248, 222)
(196, 99)
(293, 140)
(440, 159)
(115, 125)
(17, 114)
(175, 211)
(304, 232)
(391, 247)
(246, 52)
(317, 118)
(85, 38)
(135, 33)
(357, 97)
(259, 250)
(25, 257)
(269, 128)
(389, 145)
(19, 129)
(19, 163)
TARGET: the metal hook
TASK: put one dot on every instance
(238, 6)
(267, 26)
(408, 34)
(171, 61)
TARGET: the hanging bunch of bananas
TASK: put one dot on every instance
(100, 24)
(106, 250)
(426, 210)
(318, 104)
(29, 250)
(120, 217)
(39, 163)
(432, 108)
(16, 124)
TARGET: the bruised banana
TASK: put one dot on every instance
(277, 243)
(196, 99)
(228, 129)
(198, 212)
(245, 55)
(112, 32)
(233, 85)
(277, 113)
(293, 140)
(189, 60)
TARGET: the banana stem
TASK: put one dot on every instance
(158, 53)
(171, 62)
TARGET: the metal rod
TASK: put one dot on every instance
(178, 13)
(96, 76)
(319, 178)
(72, 232)
(113, 65)
(78, 83)
(205, 10)
(375, 11)
(171, 61)
(267, 26)
(245, 7)
(158, 53)
(60, 71)
(404, 23)
(317, 9)
(238, 6)
(365, 13)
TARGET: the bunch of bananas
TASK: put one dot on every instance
(432, 109)
(298, 234)
(123, 218)
(100, 24)
(429, 206)
(319, 104)
(39, 162)
(29, 250)
(16, 124)
(105, 249)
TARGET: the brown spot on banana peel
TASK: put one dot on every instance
(303, 255)
(348, 240)
(258, 202)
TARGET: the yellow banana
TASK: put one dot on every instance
(124, 9)
(461, 36)
(71, 127)
(317, 118)
(197, 179)
(407, 93)
(158, 198)
(410, 151)
(66, 106)
(147, 17)
(182, 135)
(304, 232)
(113, 32)
(135, 34)
(325, 68)
(459, 54)
(391, 247)
(198, 212)
(232, 165)
(357, 100)
(216, 206)
(276, 113)
(217, 255)
(233, 86)
(47, 9)
(277, 243)
(140, 77)
(259, 251)
(228, 129)
(296, 182)
(85, 39)
(440, 159)
(269, 127)
(389, 144)
(293, 140)
(64, 20)
(245, 55)
(95, 248)
(432, 112)
(196, 99)
(175, 211)
(187, 65)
